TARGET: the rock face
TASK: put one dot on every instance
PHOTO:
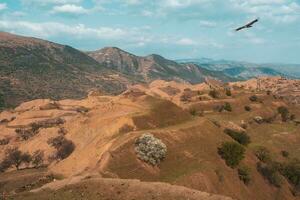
(150, 149)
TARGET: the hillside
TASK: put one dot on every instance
(31, 68)
(153, 67)
(100, 135)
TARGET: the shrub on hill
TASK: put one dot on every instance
(63, 146)
(253, 98)
(213, 93)
(240, 137)
(284, 112)
(126, 128)
(25, 134)
(228, 92)
(271, 172)
(232, 153)
(247, 108)
(263, 154)
(291, 171)
(292, 117)
(38, 158)
(193, 111)
(150, 149)
(244, 174)
(285, 153)
(14, 157)
(227, 107)
(4, 141)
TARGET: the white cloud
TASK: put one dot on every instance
(70, 9)
(278, 11)
(147, 13)
(186, 42)
(47, 2)
(3, 6)
(180, 3)
(208, 24)
(77, 31)
(133, 2)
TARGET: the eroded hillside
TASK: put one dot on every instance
(99, 136)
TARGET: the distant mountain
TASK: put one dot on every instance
(246, 70)
(153, 67)
(247, 73)
(31, 68)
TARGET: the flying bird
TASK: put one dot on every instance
(249, 25)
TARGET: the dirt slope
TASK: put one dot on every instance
(104, 130)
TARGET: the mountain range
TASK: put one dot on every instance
(245, 70)
(31, 68)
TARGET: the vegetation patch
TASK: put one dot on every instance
(291, 171)
(63, 146)
(4, 141)
(253, 98)
(263, 154)
(14, 157)
(284, 112)
(232, 152)
(239, 136)
(244, 174)
(126, 128)
(150, 149)
(271, 172)
(228, 92)
(247, 108)
(214, 94)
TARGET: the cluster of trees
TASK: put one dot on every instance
(63, 146)
(273, 171)
(16, 158)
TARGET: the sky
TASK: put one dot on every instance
(175, 29)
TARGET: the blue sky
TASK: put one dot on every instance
(175, 29)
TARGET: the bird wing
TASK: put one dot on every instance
(253, 22)
(240, 28)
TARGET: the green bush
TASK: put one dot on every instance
(291, 171)
(263, 154)
(271, 172)
(253, 98)
(285, 154)
(193, 112)
(240, 137)
(284, 112)
(244, 174)
(213, 93)
(247, 108)
(232, 153)
(228, 92)
(227, 107)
